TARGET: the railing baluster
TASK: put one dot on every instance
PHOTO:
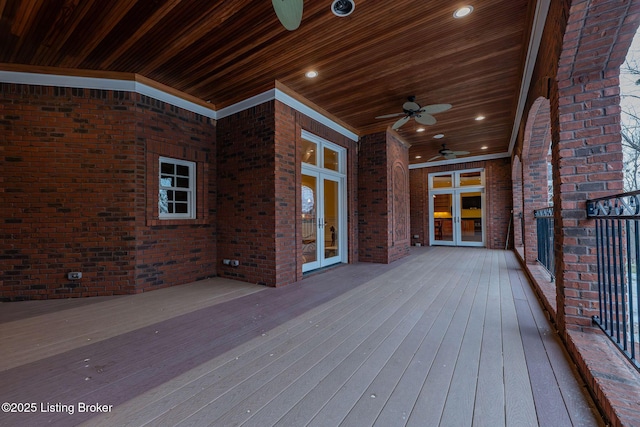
(633, 278)
(617, 230)
(544, 232)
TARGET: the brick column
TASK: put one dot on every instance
(587, 158)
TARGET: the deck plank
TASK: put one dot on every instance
(429, 407)
(340, 362)
(578, 407)
(490, 400)
(441, 337)
(460, 403)
(520, 408)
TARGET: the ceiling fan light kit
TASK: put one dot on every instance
(289, 12)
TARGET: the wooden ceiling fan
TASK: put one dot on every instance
(412, 110)
(448, 154)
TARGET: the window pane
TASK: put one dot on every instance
(181, 196)
(182, 182)
(443, 181)
(167, 168)
(163, 202)
(309, 152)
(182, 170)
(166, 181)
(331, 159)
(181, 208)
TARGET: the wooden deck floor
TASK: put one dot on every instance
(447, 336)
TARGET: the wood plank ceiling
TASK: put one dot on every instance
(368, 62)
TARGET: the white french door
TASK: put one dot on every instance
(456, 209)
(324, 237)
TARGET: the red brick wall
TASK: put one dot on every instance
(74, 194)
(69, 161)
(535, 158)
(398, 186)
(246, 204)
(382, 222)
(170, 252)
(372, 198)
(498, 200)
(259, 175)
(585, 114)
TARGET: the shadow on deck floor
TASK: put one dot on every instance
(447, 336)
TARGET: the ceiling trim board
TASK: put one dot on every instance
(313, 114)
(460, 160)
(539, 21)
(40, 79)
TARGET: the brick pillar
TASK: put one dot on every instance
(516, 177)
(587, 158)
(383, 195)
(534, 173)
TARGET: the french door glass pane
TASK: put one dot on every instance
(309, 218)
(443, 181)
(442, 217)
(471, 217)
(331, 160)
(309, 152)
(470, 179)
(330, 228)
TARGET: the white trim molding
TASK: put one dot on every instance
(41, 79)
(103, 84)
(279, 95)
(460, 160)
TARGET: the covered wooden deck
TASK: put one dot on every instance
(447, 336)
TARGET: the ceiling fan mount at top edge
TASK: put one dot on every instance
(289, 12)
(448, 154)
(412, 110)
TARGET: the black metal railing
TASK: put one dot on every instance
(544, 229)
(618, 254)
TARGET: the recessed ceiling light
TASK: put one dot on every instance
(484, 147)
(420, 130)
(311, 74)
(480, 118)
(439, 136)
(418, 157)
(463, 11)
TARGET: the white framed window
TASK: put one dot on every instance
(177, 189)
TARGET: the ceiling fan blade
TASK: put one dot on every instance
(400, 122)
(386, 116)
(435, 108)
(460, 153)
(425, 119)
(410, 106)
(450, 156)
(289, 12)
(433, 158)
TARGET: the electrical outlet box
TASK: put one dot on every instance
(74, 275)
(235, 263)
(226, 261)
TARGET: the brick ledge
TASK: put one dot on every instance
(612, 382)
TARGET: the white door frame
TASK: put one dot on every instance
(321, 174)
(456, 214)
